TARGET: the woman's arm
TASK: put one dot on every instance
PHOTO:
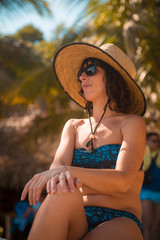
(63, 157)
(64, 153)
(120, 179)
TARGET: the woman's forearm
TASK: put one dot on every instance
(85, 190)
(98, 181)
(88, 191)
(101, 181)
(55, 164)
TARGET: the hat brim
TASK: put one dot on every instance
(68, 61)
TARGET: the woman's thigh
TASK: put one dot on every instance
(117, 228)
(61, 216)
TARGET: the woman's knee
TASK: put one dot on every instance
(60, 198)
(59, 205)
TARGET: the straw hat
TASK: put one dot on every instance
(68, 61)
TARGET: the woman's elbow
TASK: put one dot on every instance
(125, 184)
(124, 188)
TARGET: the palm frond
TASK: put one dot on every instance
(41, 6)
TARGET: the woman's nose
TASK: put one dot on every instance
(83, 77)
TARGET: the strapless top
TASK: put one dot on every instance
(104, 157)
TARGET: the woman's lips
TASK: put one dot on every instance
(86, 86)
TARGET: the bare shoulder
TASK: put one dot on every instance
(133, 130)
(71, 125)
(132, 121)
(74, 123)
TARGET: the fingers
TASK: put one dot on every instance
(70, 181)
(51, 184)
(25, 190)
(34, 188)
(65, 180)
(78, 183)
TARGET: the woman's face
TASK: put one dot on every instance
(93, 82)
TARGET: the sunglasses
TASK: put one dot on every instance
(89, 70)
(155, 141)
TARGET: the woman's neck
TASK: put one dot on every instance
(98, 109)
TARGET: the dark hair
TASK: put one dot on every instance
(116, 88)
(149, 135)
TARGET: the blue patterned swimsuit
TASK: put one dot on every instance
(104, 157)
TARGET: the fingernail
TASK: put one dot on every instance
(72, 190)
(64, 190)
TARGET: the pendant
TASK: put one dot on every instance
(90, 143)
(92, 136)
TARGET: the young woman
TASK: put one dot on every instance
(95, 179)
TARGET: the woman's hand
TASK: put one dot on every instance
(65, 181)
(39, 181)
(49, 180)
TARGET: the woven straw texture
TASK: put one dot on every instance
(68, 61)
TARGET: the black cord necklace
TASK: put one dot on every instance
(92, 137)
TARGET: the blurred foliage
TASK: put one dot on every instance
(28, 81)
(29, 33)
(17, 59)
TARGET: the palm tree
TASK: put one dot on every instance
(40, 6)
(31, 89)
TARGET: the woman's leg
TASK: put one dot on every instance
(60, 217)
(118, 228)
(147, 218)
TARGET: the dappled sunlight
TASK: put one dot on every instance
(19, 122)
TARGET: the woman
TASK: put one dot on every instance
(95, 179)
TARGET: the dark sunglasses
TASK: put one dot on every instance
(89, 70)
(155, 141)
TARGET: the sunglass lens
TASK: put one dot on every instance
(90, 70)
(155, 141)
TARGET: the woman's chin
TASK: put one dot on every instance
(88, 97)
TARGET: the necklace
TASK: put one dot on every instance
(92, 137)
